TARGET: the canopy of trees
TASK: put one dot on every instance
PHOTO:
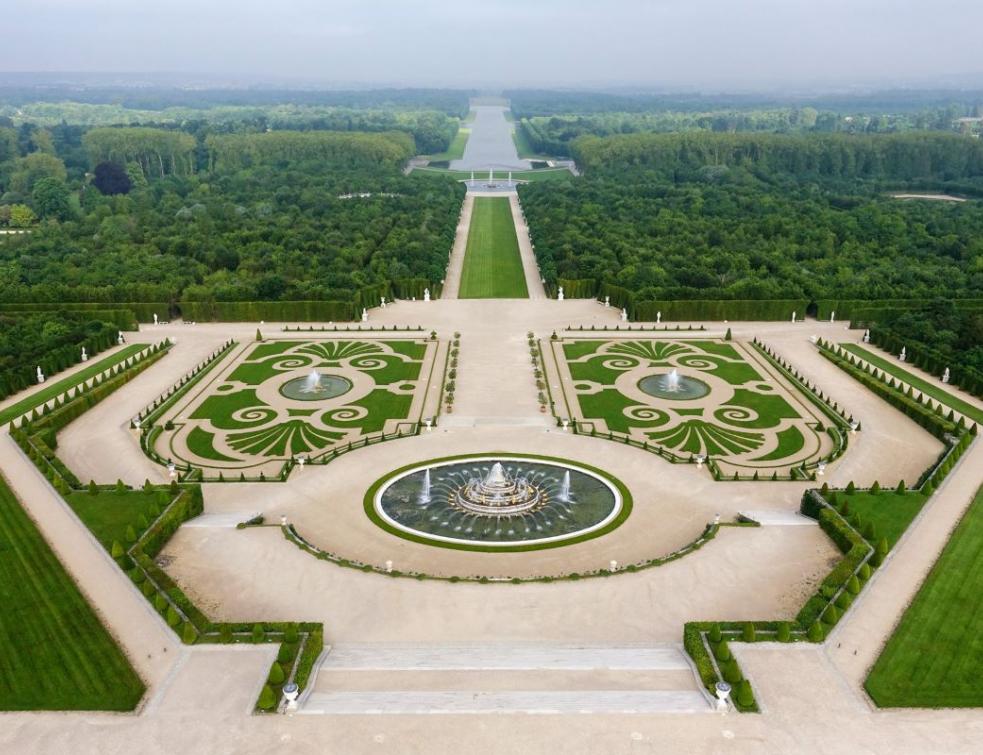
(157, 152)
(728, 235)
(332, 149)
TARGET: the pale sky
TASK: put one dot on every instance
(570, 43)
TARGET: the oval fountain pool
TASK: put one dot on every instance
(315, 387)
(498, 502)
(672, 385)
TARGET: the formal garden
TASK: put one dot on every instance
(280, 402)
(712, 401)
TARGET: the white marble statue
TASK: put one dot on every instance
(607, 301)
(624, 315)
(832, 316)
(903, 356)
(156, 321)
(426, 294)
(559, 294)
(793, 316)
(85, 356)
(658, 317)
(365, 315)
(40, 375)
(945, 375)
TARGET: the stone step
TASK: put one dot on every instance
(528, 702)
(226, 520)
(457, 420)
(345, 680)
(504, 657)
(768, 518)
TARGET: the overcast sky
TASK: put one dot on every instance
(715, 44)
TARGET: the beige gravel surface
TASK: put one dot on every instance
(811, 698)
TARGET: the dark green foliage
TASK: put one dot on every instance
(722, 652)
(258, 633)
(747, 632)
(816, 633)
(188, 633)
(745, 697)
(276, 676)
(714, 635)
(784, 632)
(173, 617)
(732, 672)
(266, 698)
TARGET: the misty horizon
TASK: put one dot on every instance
(664, 46)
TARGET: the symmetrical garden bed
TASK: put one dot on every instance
(692, 397)
(279, 400)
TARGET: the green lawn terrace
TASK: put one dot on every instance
(691, 397)
(283, 400)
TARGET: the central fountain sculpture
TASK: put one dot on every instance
(672, 385)
(315, 386)
(498, 494)
(498, 501)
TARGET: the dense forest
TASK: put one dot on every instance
(703, 216)
(552, 121)
(273, 220)
(942, 334)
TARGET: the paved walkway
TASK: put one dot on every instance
(534, 281)
(455, 265)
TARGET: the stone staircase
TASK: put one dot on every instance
(463, 678)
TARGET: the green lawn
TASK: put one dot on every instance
(953, 402)
(492, 265)
(108, 513)
(889, 512)
(456, 149)
(51, 390)
(55, 654)
(934, 657)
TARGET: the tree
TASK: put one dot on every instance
(112, 178)
(22, 216)
(50, 199)
(32, 168)
(276, 674)
(266, 698)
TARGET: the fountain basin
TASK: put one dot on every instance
(673, 386)
(498, 502)
(315, 387)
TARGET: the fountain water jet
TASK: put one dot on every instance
(425, 489)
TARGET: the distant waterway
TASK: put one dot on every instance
(490, 144)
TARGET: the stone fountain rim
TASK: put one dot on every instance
(619, 514)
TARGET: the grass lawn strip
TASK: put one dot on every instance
(940, 395)
(55, 654)
(933, 658)
(492, 265)
(52, 390)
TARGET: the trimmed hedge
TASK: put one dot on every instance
(718, 310)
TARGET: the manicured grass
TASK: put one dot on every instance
(51, 390)
(953, 402)
(55, 654)
(456, 149)
(523, 147)
(934, 657)
(889, 512)
(492, 265)
(108, 514)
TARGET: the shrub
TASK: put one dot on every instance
(745, 697)
(853, 585)
(728, 336)
(286, 653)
(831, 615)
(276, 674)
(93, 489)
(225, 634)
(851, 488)
(131, 534)
(117, 550)
(160, 602)
(715, 633)
(901, 490)
(732, 672)
(844, 600)
(266, 698)
(747, 633)
(815, 633)
(188, 634)
(173, 617)
(722, 652)
(258, 633)
(784, 632)
(865, 572)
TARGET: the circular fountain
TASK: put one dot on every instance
(498, 502)
(315, 386)
(672, 385)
